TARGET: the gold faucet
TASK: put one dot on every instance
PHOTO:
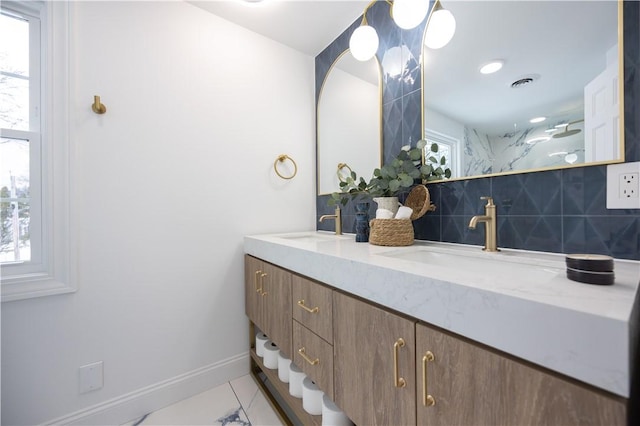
(490, 225)
(335, 216)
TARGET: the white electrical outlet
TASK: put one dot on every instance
(91, 377)
(628, 185)
(623, 186)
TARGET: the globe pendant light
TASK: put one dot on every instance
(364, 43)
(440, 28)
(408, 14)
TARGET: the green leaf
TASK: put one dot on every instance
(421, 144)
(426, 170)
(447, 173)
(376, 172)
(415, 154)
(433, 159)
(394, 185)
(405, 180)
(434, 147)
(443, 160)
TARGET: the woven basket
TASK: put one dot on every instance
(391, 232)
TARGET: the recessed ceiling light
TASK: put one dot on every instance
(492, 67)
(537, 120)
(538, 139)
(553, 154)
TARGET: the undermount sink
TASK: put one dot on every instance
(504, 264)
(312, 237)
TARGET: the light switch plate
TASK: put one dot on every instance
(623, 186)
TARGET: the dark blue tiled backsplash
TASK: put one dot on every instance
(561, 211)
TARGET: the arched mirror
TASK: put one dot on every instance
(557, 100)
(349, 121)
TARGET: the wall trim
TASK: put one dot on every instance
(145, 400)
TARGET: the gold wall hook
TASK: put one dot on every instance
(281, 158)
(97, 106)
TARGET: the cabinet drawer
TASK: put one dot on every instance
(312, 306)
(316, 359)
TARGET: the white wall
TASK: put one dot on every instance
(167, 183)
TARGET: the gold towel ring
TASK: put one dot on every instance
(281, 158)
(97, 106)
(340, 167)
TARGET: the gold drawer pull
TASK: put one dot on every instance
(306, 357)
(255, 279)
(427, 399)
(306, 308)
(399, 382)
(260, 277)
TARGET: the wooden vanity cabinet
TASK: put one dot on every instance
(268, 301)
(373, 372)
(471, 384)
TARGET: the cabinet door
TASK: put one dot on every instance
(268, 301)
(313, 306)
(314, 356)
(252, 277)
(367, 357)
(276, 306)
(474, 385)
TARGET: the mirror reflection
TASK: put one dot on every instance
(349, 121)
(553, 98)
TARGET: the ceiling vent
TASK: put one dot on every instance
(524, 81)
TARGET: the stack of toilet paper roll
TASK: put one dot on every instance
(314, 401)
(271, 352)
(311, 397)
(261, 339)
(332, 415)
(296, 377)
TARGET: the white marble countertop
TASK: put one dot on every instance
(519, 302)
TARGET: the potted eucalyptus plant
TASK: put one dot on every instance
(395, 177)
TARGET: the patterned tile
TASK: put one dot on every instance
(528, 194)
(615, 236)
(412, 119)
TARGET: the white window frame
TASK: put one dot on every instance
(52, 272)
(454, 147)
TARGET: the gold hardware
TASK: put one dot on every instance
(255, 279)
(306, 308)
(262, 292)
(340, 167)
(399, 382)
(306, 357)
(337, 216)
(281, 158)
(97, 106)
(427, 399)
(490, 225)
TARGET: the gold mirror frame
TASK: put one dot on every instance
(621, 147)
(330, 164)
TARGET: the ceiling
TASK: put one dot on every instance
(304, 25)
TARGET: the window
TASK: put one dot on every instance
(20, 138)
(34, 245)
(448, 146)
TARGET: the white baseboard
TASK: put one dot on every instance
(136, 404)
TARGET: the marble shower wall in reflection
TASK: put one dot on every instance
(555, 211)
(484, 154)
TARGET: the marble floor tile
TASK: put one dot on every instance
(237, 403)
(254, 403)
